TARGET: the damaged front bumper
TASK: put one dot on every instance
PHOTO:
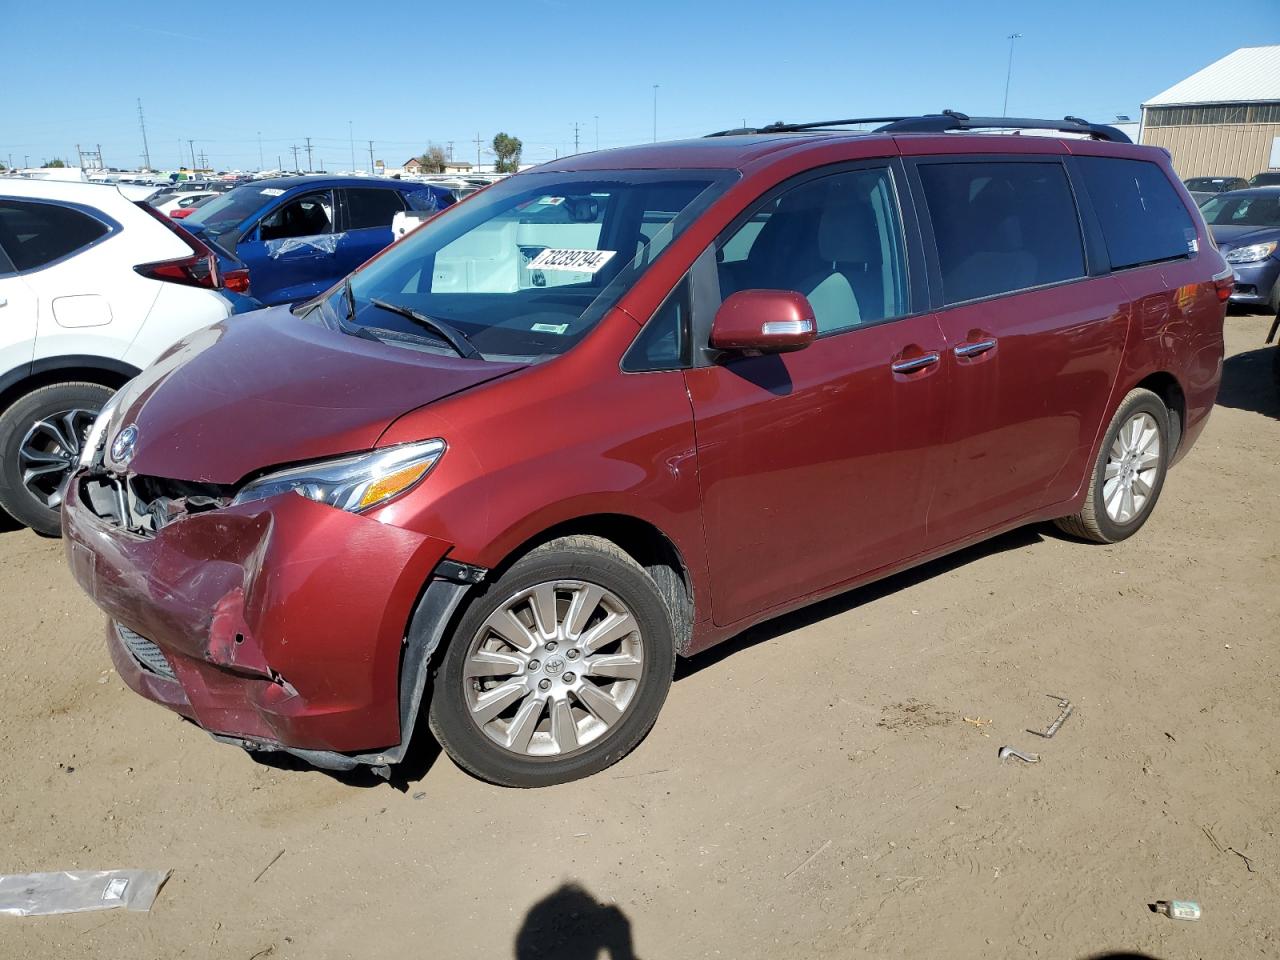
(283, 624)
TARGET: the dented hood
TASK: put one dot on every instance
(269, 388)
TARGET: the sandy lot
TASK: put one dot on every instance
(817, 794)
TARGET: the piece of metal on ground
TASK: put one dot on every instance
(1064, 705)
(1006, 752)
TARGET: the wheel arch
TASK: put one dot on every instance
(642, 540)
(64, 369)
(1166, 386)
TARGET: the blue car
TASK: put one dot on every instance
(298, 236)
(1246, 226)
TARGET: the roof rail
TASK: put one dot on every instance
(947, 120)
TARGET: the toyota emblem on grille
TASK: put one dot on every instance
(123, 445)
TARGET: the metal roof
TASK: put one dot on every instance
(1247, 75)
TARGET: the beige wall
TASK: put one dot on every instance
(1230, 149)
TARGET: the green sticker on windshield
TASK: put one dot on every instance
(549, 327)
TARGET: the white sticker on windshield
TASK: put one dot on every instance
(575, 261)
(271, 191)
(551, 201)
(549, 327)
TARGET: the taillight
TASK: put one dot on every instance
(1224, 284)
(237, 281)
(198, 270)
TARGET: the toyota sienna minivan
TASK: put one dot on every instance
(616, 409)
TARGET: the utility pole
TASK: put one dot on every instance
(294, 148)
(146, 150)
(655, 113)
(575, 136)
(261, 164)
(279, 165)
(371, 156)
(192, 145)
(1009, 75)
(351, 134)
(309, 165)
(450, 150)
(597, 131)
(479, 144)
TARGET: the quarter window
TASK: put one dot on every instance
(1143, 219)
(661, 345)
(1001, 227)
(837, 240)
(36, 234)
(372, 208)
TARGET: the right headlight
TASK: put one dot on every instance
(1252, 253)
(98, 432)
(354, 483)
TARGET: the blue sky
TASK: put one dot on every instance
(405, 76)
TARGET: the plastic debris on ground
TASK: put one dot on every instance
(75, 891)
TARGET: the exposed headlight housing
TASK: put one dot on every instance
(97, 435)
(1252, 253)
(355, 483)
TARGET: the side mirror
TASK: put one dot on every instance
(764, 321)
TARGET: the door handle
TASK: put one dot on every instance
(974, 349)
(915, 363)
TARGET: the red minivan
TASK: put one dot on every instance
(618, 408)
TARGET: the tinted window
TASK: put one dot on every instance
(1142, 216)
(837, 240)
(1001, 227)
(307, 216)
(372, 208)
(661, 344)
(35, 234)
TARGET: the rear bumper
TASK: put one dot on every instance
(283, 622)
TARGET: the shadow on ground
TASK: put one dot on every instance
(1013, 540)
(570, 924)
(1249, 381)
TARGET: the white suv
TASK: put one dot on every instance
(93, 287)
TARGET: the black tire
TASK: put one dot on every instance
(1093, 523)
(46, 402)
(592, 560)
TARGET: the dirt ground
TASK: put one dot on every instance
(823, 793)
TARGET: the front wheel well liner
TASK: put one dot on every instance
(645, 544)
(112, 374)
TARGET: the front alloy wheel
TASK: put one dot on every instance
(558, 670)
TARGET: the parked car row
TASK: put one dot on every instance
(1246, 227)
(95, 284)
(620, 408)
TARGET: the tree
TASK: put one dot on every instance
(434, 159)
(54, 163)
(507, 150)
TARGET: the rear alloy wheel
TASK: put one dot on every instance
(1128, 474)
(41, 436)
(558, 670)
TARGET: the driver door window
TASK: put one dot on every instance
(310, 215)
(837, 240)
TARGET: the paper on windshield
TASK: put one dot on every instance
(574, 261)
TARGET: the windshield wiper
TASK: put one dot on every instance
(451, 334)
(350, 297)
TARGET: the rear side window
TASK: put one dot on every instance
(372, 208)
(1001, 227)
(1143, 219)
(34, 235)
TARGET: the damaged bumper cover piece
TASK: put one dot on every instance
(276, 625)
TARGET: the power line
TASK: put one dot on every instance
(146, 151)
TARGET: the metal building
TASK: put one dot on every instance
(1223, 120)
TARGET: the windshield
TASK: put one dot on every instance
(1235, 210)
(1265, 179)
(526, 268)
(1206, 183)
(228, 210)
